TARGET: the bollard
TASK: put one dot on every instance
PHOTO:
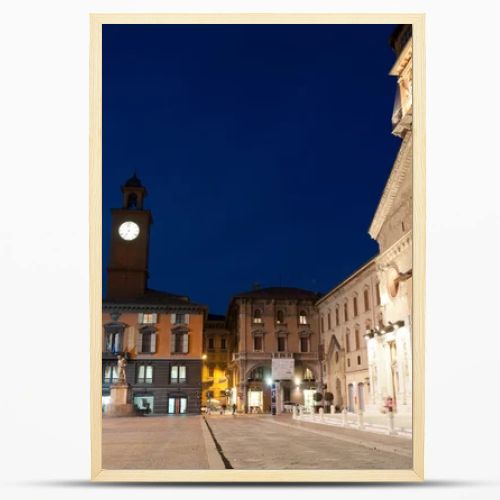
(344, 417)
(361, 421)
(321, 413)
(391, 430)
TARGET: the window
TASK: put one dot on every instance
(114, 339)
(308, 374)
(211, 343)
(366, 299)
(146, 342)
(346, 312)
(304, 344)
(280, 317)
(257, 343)
(145, 374)
(377, 293)
(337, 318)
(347, 341)
(223, 343)
(281, 344)
(322, 324)
(303, 318)
(356, 338)
(336, 356)
(355, 306)
(359, 360)
(180, 342)
(348, 362)
(145, 402)
(177, 374)
(257, 316)
(180, 319)
(110, 374)
(329, 320)
(148, 318)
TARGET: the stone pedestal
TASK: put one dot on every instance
(120, 404)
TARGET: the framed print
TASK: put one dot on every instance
(257, 242)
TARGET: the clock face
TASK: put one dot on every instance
(128, 230)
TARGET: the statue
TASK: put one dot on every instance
(122, 377)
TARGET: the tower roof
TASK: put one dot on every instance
(134, 181)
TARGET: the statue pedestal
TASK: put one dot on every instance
(120, 404)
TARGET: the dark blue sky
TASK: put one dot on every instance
(264, 150)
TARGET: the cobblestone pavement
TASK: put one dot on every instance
(175, 442)
(279, 442)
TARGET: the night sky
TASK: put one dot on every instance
(264, 150)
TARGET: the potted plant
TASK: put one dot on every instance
(328, 400)
(318, 397)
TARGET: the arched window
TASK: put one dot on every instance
(257, 316)
(366, 299)
(377, 293)
(329, 320)
(355, 305)
(337, 316)
(132, 200)
(347, 340)
(356, 338)
(308, 374)
(336, 356)
(280, 317)
(346, 311)
(322, 324)
(302, 318)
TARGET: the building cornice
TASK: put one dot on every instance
(395, 249)
(402, 60)
(399, 171)
(159, 308)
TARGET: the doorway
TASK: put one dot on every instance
(177, 405)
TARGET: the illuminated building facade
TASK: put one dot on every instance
(273, 328)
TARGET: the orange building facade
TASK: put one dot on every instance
(159, 334)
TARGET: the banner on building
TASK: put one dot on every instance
(283, 368)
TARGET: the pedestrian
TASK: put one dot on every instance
(234, 408)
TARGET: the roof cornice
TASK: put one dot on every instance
(399, 170)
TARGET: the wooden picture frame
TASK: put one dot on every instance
(261, 476)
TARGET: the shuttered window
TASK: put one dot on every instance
(180, 343)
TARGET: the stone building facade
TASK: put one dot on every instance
(274, 327)
(346, 313)
(375, 367)
(390, 346)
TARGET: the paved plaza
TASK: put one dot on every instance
(245, 442)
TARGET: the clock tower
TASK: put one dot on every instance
(128, 258)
